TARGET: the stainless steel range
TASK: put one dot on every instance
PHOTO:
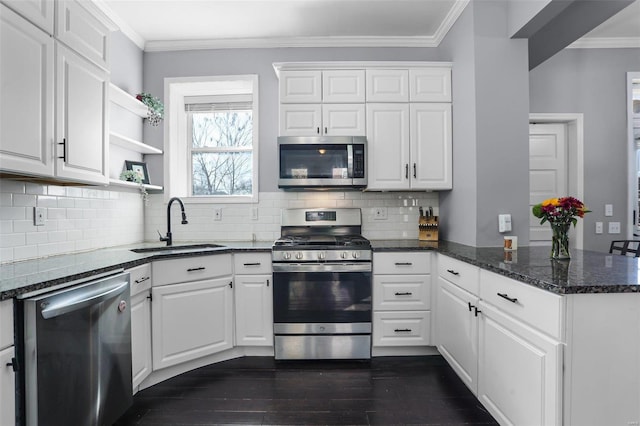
(322, 286)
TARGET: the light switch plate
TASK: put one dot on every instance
(608, 209)
(504, 222)
(217, 213)
(39, 216)
(599, 227)
(380, 213)
(614, 227)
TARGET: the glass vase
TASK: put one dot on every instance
(560, 241)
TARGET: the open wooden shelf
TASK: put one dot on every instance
(133, 185)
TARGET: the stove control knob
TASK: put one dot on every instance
(355, 254)
(321, 255)
(299, 255)
(286, 255)
(344, 255)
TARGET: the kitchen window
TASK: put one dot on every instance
(212, 136)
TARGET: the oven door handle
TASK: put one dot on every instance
(322, 267)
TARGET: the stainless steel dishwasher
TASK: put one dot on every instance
(77, 353)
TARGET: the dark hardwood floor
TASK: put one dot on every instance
(261, 391)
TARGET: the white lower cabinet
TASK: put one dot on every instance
(141, 362)
(457, 331)
(7, 387)
(192, 312)
(519, 371)
(401, 299)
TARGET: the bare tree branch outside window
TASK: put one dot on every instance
(222, 153)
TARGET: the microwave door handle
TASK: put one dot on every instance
(350, 161)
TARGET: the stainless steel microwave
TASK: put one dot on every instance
(322, 162)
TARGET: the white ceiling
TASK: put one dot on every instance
(183, 24)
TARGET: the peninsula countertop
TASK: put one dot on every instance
(586, 272)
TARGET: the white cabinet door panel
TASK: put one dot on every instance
(387, 85)
(140, 338)
(38, 12)
(343, 86)
(300, 86)
(401, 328)
(430, 84)
(26, 96)
(254, 310)
(431, 146)
(388, 146)
(402, 292)
(300, 119)
(343, 119)
(7, 388)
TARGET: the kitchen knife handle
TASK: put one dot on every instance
(415, 173)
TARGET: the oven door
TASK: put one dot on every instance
(321, 293)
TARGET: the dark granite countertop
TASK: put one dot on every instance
(30, 275)
(586, 272)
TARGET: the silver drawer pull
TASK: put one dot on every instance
(403, 293)
(252, 264)
(402, 330)
(404, 264)
(141, 280)
(200, 268)
(451, 271)
(506, 296)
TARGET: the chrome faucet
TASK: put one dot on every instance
(168, 238)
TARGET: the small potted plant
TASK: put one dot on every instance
(131, 176)
(155, 108)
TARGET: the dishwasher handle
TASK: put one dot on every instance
(79, 299)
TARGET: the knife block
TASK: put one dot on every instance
(428, 228)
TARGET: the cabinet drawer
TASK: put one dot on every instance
(402, 292)
(402, 263)
(538, 308)
(139, 278)
(407, 328)
(252, 263)
(460, 273)
(6, 323)
(191, 269)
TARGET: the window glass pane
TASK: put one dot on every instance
(222, 129)
(227, 173)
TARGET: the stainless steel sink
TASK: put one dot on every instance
(178, 249)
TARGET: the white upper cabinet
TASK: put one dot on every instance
(430, 84)
(343, 86)
(322, 120)
(301, 87)
(26, 96)
(81, 119)
(387, 85)
(431, 146)
(38, 12)
(82, 31)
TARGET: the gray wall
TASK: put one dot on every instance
(160, 65)
(593, 82)
(126, 73)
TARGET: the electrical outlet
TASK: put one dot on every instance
(380, 213)
(504, 222)
(614, 227)
(254, 213)
(599, 227)
(608, 210)
(38, 216)
(217, 213)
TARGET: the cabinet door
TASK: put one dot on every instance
(300, 87)
(81, 30)
(387, 85)
(26, 96)
(38, 12)
(519, 371)
(140, 338)
(191, 320)
(343, 120)
(401, 292)
(430, 84)
(7, 388)
(457, 331)
(254, 310)
(343, 86)
(388, 146)
(431, 152)
(300, 119)
(81, 119)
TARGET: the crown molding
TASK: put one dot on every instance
(449, 20)
(120, 23)
(605, 43)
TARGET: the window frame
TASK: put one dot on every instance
(177, 152)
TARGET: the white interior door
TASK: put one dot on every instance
(548, 175)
